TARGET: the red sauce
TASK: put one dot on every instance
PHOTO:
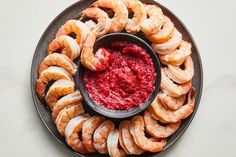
(127, 82)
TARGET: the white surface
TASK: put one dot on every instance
(212, 24)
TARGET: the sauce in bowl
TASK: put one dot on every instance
(127, 82)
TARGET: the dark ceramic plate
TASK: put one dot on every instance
(71, 12)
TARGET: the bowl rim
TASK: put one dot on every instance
(121, 114)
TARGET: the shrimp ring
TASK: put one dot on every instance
(75, 26)
(65, 101)
(152, 24)
(140, 14)
(57, 59)
(181, 76)
(170, 45)
(170, 116)
(49, 74)
(157, 130)
(120, 18)
(73, 129)
(172, 89)
(68, 45)
(100, 136)
(137, 129)
(66, 115)
(58, 88)
(126, 139)
(112, 144)
(97, 62)
(169, 102)
(164, 33)
(87, 132)
(104, 22)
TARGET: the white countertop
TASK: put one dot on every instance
(213, 26)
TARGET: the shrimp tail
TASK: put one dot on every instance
(53, 46)
(40, 87)
(191, 102)
(42, 67)
(191, 95)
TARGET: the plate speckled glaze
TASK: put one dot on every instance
(70, 13)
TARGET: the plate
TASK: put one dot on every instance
(71, 12)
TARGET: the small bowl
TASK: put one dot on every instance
(119, 114)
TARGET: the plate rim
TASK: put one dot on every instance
(34, 95)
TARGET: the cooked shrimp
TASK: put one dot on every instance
(100, 136)
(126, 139)
(67, 44)
(157, 130)
(112, 144)
(169, 102)
(73, 131)
(58, 89)
(170, 45)
(65, 101)
(57, 59)
(137, 129)
(87, 132)
(178, 56)
(180, 75)
(66, 115)
(95, 62)
(139, 15)
(75, 26)
(154, 21)
(49, 74)
(174, 116)
(120, 18)
(104, 22)
(172, 89)
(155, 116)
(164, 33)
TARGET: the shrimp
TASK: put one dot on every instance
(172, 89)
(49, 74)
(181, 76)
(178, 56)
(155, 20)
(68, 45)
(58, 89)
(120, 18)
(66, 115)
(170, 45)
(97, 62)
(164, 33)
(75, 26)
(65, 101)
(73, 131)
(171, 102)
(104, 22)
(137, 129)
(100, 136)
(126, 139)
(112, 144)
(57, 59)
(157, 130)
(174, 116)
(87, 132)
(156, 116)
(140, 14)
